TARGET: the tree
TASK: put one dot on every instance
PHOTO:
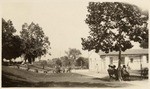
(73, 54)
(35, 43)
(11, 44)
(144, 44)
(83, 62)
(43, 63)
(65, 61)
(57, 61)
(50, 63)
(113, 26)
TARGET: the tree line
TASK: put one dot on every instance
(64, 62)
(72, 58)
(32, 43)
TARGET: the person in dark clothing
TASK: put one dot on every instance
(125, 73)
(115, 72)
(110, 72)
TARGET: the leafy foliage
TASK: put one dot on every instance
(43, 63)
(73, 54)
(35, 43)
(83, 62)
(113, 26)
(144, 44)
(11, 44)
(65, 61)
(57, 62)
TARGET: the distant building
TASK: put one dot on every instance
(134, 59)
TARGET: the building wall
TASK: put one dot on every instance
(95, 63)
(133, 62)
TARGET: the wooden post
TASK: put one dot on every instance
(119, 66)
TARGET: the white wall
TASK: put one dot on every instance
(100, 64)
(137, 61)
(94, 62)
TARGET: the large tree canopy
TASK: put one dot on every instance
(35, 43)
(113, 26)
(11, 44)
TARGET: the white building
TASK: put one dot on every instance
(135, 59)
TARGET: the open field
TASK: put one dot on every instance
(13, 77)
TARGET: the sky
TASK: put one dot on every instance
(61, 20)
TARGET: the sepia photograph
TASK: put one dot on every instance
(75, 43)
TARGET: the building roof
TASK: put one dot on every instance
(127, 52)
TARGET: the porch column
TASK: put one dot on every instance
(144, 61)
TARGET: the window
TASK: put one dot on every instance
(131, 60)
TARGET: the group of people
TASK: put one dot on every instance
(113, 72)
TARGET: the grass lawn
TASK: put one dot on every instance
(12, 77)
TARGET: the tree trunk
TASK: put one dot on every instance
(2, 60)
(141, 67)
(31, 60)
(119, 66)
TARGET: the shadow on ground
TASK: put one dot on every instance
(19, 83)
(12, 77)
